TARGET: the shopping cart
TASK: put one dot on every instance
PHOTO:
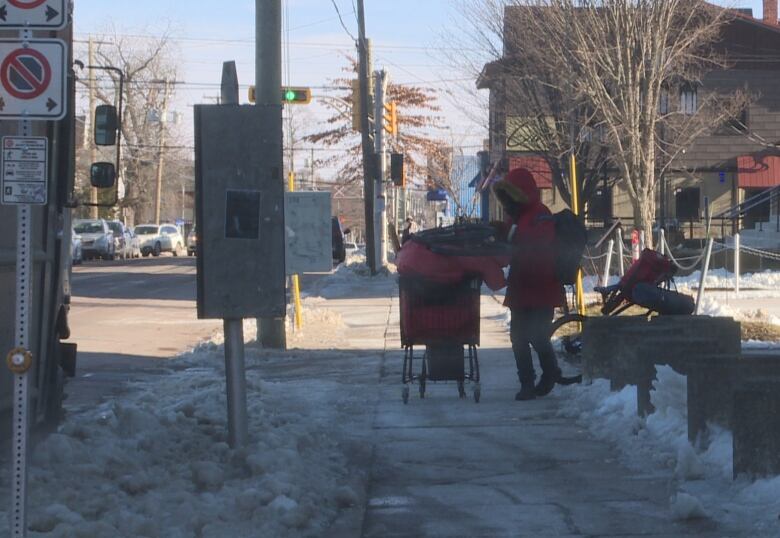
(444, 318)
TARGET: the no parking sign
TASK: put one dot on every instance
(32, 79)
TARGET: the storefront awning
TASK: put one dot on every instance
(758, 171)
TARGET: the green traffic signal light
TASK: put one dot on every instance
(296, 96)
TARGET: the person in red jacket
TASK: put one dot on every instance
(533, 290)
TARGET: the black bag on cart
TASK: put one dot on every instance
(665, 302)
(445, 362)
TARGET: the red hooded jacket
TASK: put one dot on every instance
(532, 282)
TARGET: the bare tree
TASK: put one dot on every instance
(417, 114)
(620, 66)
(149, 69)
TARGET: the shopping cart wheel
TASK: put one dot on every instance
(405, 394)
(461, 389)
(477, 393)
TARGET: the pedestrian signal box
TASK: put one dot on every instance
(239, 198)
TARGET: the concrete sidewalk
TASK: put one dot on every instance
(449, 467)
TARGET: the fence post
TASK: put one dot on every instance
(736, 263)
(621, 246)
(642, 241)
(608, 264)
(704, 269)
(662, 241)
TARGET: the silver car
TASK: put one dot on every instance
(156, 239)
(97, 239)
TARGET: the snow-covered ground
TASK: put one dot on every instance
(700, 481)
(157, 464)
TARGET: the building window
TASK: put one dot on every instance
(599, 207)
(663, 101)
(688, 99)
(736, 125)
(687, 202)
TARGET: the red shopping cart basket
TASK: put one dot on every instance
(444, 318)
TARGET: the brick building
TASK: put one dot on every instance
(724, 167)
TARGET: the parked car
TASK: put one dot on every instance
(192, 242)
(156, 239)
(122, 239)
(76, 253)
(97, 239)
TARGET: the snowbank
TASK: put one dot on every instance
(157, 463)
(702, 484)
(354, 272)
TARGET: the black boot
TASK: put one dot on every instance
(526, 392)
(547, 382)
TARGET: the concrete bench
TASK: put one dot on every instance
(713, 383)
(626, 349)
(756, 428)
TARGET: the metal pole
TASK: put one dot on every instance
(621, 264)
(238, 423)
(705, 268)
(662, 241)
(20, 360)
(575, 204)
(160, 155)
(736, 263)
(93, 192)
(296, 285)
(368, 170)
(608, 264)
(380, 206)
(268, 85)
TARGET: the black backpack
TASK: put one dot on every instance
(571, 236)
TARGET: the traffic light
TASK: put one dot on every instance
(391, 119)
(356, 105)
(296, 96)
(289, 96)
(397, 171)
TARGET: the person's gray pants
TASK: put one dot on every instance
(533, 327)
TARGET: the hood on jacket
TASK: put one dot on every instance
(519, 188)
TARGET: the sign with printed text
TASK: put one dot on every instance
(32, 14)
(33, 79)
(24, 170)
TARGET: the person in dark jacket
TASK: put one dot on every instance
(409, 229)
(533, 291)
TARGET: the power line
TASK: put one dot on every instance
(341, 20)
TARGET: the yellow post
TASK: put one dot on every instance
(575, 205)
(295, 281)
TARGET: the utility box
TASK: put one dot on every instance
(239, 199)
(309, 232)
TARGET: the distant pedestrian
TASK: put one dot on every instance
(409, 228)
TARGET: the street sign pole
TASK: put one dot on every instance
(32, 87)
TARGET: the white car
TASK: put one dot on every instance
(97, 239)
(155, 239)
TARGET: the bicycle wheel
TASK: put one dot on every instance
(569, 329)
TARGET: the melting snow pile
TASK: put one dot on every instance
(702, 485)
(158, 465)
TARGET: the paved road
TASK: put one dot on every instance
(127, 317)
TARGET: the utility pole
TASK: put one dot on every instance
(93, 192)
(380, 203)
(369, 171)
(268, 84)
(313, 180)
(160, 153)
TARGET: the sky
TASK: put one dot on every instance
(414, 40)
(409, 38)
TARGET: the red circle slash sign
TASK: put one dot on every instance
(25, 73)
(26, 4)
